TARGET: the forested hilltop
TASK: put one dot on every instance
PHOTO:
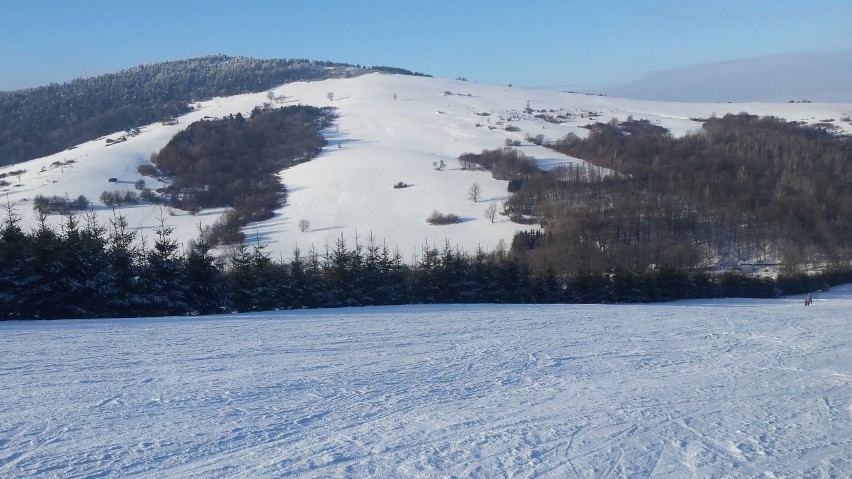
(40, 121)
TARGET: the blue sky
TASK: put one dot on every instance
(547, 43)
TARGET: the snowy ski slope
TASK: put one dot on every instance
(722, 388)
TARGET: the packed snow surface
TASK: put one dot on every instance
(390, 129)
(722, 388)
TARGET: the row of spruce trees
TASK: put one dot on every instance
(85, 270)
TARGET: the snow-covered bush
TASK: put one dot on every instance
(59, 205)
(438, 218)
(118, 198)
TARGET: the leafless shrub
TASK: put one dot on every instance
(438, 218)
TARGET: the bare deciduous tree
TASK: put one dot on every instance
(304, 225)
(475, 192)
(491, 212)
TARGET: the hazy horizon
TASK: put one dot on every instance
(803, 76)
(549, 44)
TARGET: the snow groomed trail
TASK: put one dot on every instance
(727, 388)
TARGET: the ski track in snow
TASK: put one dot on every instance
(724, 388)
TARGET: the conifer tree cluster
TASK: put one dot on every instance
(84, 270)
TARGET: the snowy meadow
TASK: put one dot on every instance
(721, 388)
(390, 129)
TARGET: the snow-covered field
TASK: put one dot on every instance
(391, 129)
(723, 388)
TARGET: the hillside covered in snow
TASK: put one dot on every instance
(390, 129)
(721, 388)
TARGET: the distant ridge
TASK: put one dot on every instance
(40, 121)
(815, 77)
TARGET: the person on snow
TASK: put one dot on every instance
(808, 299)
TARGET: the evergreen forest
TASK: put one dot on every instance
(41, 121)
(84, 270)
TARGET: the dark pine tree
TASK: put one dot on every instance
(206, 288)
(254, 279)
(41, 293)
(162, 285)
(122, 295)
(424, 277)
(483, 271)
(15, 249)
(343, 274)
(85, 260)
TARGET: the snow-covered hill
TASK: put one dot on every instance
(721, 388)
(391, 128)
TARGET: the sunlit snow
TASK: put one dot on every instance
(391, 129)
(721, 388)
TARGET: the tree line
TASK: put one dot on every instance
(743, 187)
(232, 162)
(40, 121)
(85, 270)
